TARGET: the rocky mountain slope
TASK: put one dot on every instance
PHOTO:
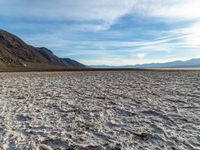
(15, 53)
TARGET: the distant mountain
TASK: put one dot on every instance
(16, 53)
(192, 63)
(175, 64)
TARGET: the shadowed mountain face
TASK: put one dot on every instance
(16, 53)
(72, 63)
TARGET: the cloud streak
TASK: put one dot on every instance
(108, 31)
(104, 11)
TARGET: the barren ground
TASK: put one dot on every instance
(100, 110)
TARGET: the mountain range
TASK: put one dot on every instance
(15, 53)
(192, 63)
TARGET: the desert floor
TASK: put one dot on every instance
(100, 110)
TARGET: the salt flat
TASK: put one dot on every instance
(100, 110)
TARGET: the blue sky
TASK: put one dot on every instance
(108, 32)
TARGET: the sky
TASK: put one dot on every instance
(108, 32)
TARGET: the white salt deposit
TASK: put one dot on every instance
(100, 110)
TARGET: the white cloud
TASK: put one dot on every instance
(141, 55)
(107, 12)
(182, 10)
(174, 10)
(96, 15)
(193, 33)
(87, 10)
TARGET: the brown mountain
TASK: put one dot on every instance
(15, 53)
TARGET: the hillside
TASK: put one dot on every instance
(15, 53)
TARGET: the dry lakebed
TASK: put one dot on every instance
(105, 110)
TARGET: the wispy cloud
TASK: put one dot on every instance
(175, 9)
(108, 31)
(104, 11)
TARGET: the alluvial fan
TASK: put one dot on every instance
(100, 110)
